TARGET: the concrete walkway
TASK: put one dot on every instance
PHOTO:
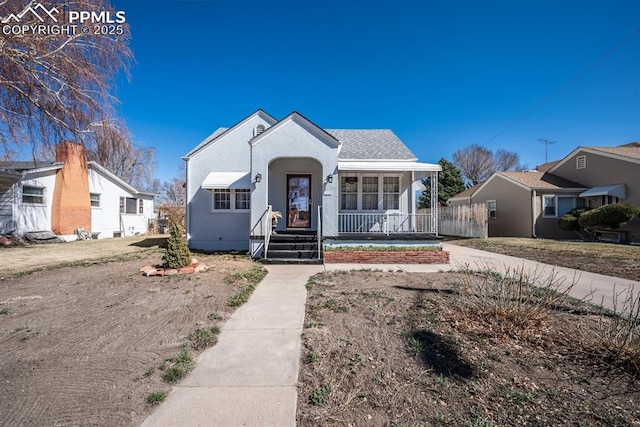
(596, 288)
(249, 377)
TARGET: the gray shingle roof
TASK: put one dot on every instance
(19, 166)
(208, 139)
(375, 144)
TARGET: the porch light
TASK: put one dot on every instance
(258, 177)
(329, 178)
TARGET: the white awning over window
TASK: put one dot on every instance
(617, 190)
(227, 180)
(388, 166)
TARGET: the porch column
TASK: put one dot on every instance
(434, 202)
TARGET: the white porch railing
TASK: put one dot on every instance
(386, 223)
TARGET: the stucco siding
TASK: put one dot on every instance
(231, 152)
(513, 208)
(296, 139)
(601, 171)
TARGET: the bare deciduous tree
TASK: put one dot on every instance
(173, 198)
(54, 85)
(114, 150)
(477, 163)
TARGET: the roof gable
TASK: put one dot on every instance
(98, 168)
(303, 122)
(220, 132)
(627, 152)
(531, 181)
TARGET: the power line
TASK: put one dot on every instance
(566, 86)
(547, 143)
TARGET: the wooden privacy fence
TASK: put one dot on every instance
(464, 221)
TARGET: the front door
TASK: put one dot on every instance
(299, 201)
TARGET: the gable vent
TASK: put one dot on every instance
(258, 130)
(581, 162)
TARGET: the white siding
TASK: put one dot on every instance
(35, 217)
(107, 219)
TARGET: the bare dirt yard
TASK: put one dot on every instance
(89, 343)
(603, 258)
(400, 349)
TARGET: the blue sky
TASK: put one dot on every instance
(442, 75)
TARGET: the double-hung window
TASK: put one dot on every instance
(33, 195)
(349, 193)
(369, 193)
(221, 199)
(549, 203)
(128, 205)
(95, 200)
(225, 199)
(243, 199)
(391, 192)
(492, 208)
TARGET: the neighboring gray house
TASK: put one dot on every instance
(326, 183)
(528, 204)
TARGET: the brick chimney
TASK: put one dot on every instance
(71, 202)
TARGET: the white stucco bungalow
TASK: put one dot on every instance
(326, 182)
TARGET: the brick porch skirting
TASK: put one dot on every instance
(386, 257)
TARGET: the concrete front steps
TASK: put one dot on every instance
(293, 248)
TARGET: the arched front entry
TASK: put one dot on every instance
(295, 189)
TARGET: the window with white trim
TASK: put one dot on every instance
(225, 199)
(549, 204)
(95, 200)
(140, 206)
(391, 192)
(221, 199)
(492, 209)
(369, 193)
(128, 205)
(33, 195)
(581, 162)
(243, 199)
(349, 193)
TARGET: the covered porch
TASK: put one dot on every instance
(380, 198)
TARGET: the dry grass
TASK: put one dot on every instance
(384, 348)
(603, 258)
(30, 258)
(593, 249)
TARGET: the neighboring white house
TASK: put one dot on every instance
(70, 193)
(330, 182)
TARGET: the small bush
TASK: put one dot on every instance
(610, 216)
(320, 395)
(570, 220)
(203, 338)
(181, 366)
(177, 254)
(156, 397)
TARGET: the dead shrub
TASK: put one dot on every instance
(516, 297)
(618, 333)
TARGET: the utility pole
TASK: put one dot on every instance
(546, 143)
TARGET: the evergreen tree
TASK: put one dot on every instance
(450, 183)
(177, 254)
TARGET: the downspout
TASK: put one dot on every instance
(187, 217)
(533, 214)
